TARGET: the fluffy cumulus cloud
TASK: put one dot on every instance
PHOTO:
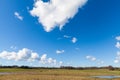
(24, 54)
(43, 57)
(60, 51)
(74, 40)
(27, 55)
(45, 60)
(17, 15)
(55, 13)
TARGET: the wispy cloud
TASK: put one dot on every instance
(66, 36)
(117, 59)
(94, 59)
(73, 39)
(17, 15)
(118, 38)
(91, 58)
(100, 62)
(55, 13)
(13, 47)
(117, 45)
(60, 51)
(60, 63)
(118, 42)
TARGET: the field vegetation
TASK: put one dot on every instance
(55, 74)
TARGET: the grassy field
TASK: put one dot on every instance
(54, 74)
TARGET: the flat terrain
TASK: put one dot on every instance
(54, 74)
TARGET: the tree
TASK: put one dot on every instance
(110, 67)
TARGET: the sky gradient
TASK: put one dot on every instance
(86, 34)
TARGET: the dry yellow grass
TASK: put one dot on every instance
(55, 74)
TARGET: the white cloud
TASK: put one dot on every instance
(43, 57)
(60, 51)
(24, 54)
(18, 16)
(98, 61)
(60, 63)
(34, 56)
(118, 38)
(74, 40)
(118, 53)
(117, 59)
(66, 36)
(117, 45)
(91, 58)
(27, 55)
(51, 61)
(45, 60)
(55, 13)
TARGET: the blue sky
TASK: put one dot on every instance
(88, 34)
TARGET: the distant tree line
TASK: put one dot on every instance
(28, 67)
(84, 68)
(15, 66)
(62, 67)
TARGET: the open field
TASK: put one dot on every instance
(54, 74)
